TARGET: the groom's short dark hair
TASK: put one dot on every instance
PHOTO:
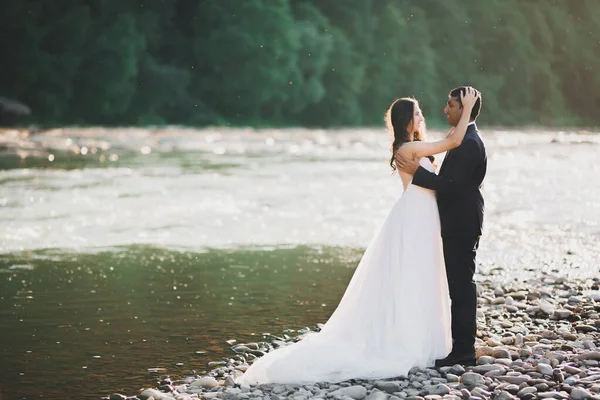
(476, 108)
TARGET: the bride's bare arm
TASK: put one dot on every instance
(455, 136)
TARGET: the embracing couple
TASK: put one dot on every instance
(412, 300)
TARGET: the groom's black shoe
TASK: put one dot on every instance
(455, 357)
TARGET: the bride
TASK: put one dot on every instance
(395, 313)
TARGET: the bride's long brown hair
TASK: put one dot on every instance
(397, 118)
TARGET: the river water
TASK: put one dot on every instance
(124, 250)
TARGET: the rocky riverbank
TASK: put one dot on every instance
(537, 339)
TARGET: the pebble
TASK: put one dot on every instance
(553, 395)
(205, 382)
(152, 393)
(526, 390)
(545, 369)
(483, 369)
(546, 307)
(472, 379)
(356, 392)
(457, 370)
(579, 394)
(517, 380)
(378, 395)
(389, 387)
(562, 313)
(485, 360)
(440, 389)
(504, 396)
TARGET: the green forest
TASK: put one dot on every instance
(308, 63)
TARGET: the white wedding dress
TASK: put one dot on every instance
(394, 315)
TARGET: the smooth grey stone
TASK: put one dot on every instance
(553, 395)
(217, 363)
(378, 395)
(505, 361)
(562, 313)
(585, 328)
(558, 375)
(494, 373)
(575, 300)
(151, 393)
(517, 380)
(526, 390)
(472, 379)
(440, 389)
(546, 307)
(504, 396)
(479, 391)
(571, 369)
(356, 392)
(544, 369)
(483, 369)
(206, 382)
(485, 360)
(570, 381)
(579, 394)
(117, 396)
(279, 389)
(240, 348)
(389, 387)
(512, 388)
(229, 381)
(452, 378)
(457, 370)
(542, 387)
(432, 372)
(501, 353)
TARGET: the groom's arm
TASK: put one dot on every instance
(464, 161)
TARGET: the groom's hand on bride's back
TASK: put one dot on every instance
(405, 164)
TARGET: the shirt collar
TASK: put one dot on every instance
(471, 123)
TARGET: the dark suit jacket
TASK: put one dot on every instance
(458, 185)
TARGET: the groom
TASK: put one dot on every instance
(460, 204)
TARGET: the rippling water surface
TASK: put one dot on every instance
(124, 250)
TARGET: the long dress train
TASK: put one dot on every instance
(395, 313)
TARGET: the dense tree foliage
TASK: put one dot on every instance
(298, 62)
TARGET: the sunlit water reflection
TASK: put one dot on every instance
(137, 249)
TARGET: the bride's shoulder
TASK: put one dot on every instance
(407, 148)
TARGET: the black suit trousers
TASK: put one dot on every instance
(459, 255)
